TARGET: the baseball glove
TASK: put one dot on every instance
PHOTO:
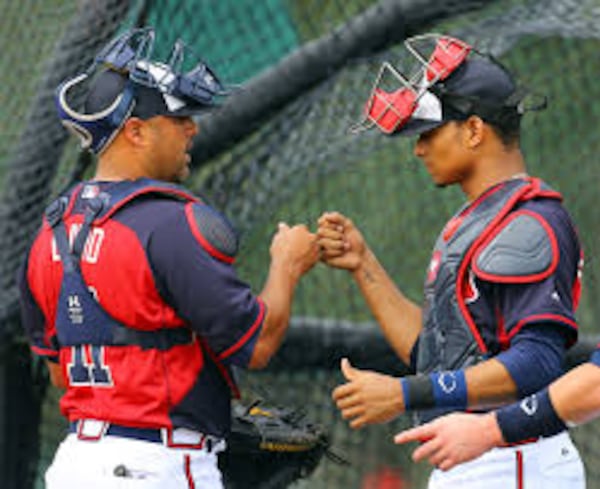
(269, 448)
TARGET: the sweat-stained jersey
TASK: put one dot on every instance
(180, 316)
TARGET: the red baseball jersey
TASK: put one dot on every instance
(173, 313)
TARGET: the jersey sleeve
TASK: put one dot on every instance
(194, 273)
(41, 339)
(544, 288)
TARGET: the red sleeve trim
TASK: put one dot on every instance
(189, 213)
(540, 318)
(249, 334)
(518, 279)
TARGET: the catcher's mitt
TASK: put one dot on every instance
(269, 448)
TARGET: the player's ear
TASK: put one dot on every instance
(134, 131)
(473, 131)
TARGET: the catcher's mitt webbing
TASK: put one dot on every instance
(270, 447)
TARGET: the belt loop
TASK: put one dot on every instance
(91, 429)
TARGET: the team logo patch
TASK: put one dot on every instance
(90, 191)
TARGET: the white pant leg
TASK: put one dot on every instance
(92, 464)
(550, 463)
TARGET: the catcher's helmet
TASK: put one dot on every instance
(447, 80)
(131, 83)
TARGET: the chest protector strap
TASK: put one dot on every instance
(80, 319)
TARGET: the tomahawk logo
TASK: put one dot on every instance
(529, 405)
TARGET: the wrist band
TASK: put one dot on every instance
(436, 390)
(531, 417)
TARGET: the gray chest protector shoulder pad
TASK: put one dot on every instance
(522, 249)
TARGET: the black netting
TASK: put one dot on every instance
(287, 155)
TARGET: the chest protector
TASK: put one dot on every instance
(450, 339)
(80, 320)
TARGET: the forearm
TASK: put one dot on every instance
(399, 318)
(277, 294)
(489, 384)
(56, 376)
(576, 395)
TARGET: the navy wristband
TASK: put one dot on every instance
(531, 417)
(418, 392)
(436, 390)
(595, 358)
(450, 389)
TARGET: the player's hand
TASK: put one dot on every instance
(368, 397)
(453, 439)
(341, 243)
(295, 247)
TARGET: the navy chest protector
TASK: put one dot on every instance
(79, 318)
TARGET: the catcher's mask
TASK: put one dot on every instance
(124, 81)
(446, 80)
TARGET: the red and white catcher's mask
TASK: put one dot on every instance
(391, 107)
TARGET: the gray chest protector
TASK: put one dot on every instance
(477, 238)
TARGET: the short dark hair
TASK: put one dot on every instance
(507, 126)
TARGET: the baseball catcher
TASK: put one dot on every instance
(129, 290)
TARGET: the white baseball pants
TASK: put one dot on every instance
(549, 463)
(123, 463)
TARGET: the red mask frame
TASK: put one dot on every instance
(389, 111)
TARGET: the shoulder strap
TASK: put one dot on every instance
(54, 214)
(125, 192)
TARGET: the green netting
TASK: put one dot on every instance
(261, 34)
(301, 161)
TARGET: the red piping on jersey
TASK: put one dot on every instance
(556, 318)
(145, 190)
(188, 471)
(512, 279)
(205, 244)
(222, 369)
(73, 198)
(503, 337)
(576, 289)
(45, 352)
(520, 481)
(259, 319)
(460, 276)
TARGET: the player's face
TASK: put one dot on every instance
(172, 141)
(444, 154)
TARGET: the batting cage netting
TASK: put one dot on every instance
(280, 149)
